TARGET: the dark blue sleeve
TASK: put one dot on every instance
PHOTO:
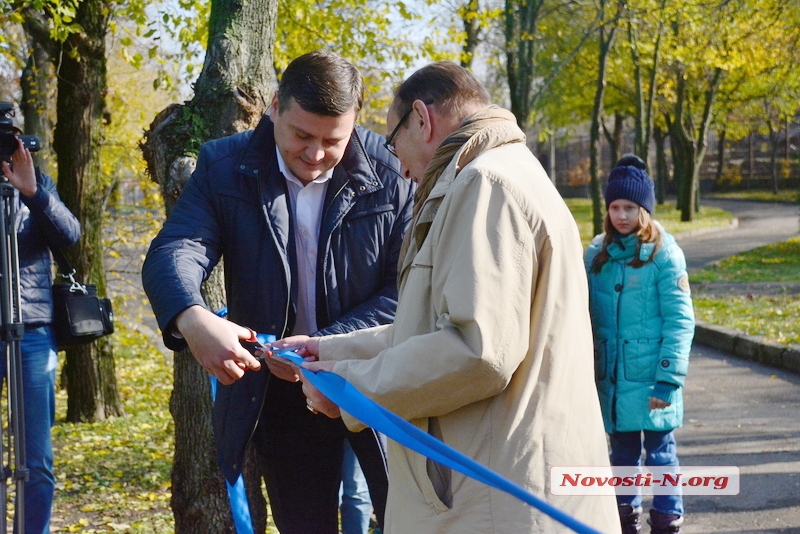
(51, 216)
(183, 253)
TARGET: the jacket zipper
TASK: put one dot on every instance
(619, 343)
(325, 253)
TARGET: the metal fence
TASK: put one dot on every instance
(747, 163)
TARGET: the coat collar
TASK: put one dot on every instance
(625, 247)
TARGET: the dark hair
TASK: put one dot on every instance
(447, 86)
(323, 83)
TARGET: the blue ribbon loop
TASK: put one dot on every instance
(349, 399)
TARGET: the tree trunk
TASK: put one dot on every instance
(606, 40)
(751, 158)
(520, 29)
(787, 146)
(688, 146)
(720, 154)
(472, 28)
(614, 139)
(231, 95)
(35, 83)
(643, 117)
(662, 172)
(91, 383)
(773, 155)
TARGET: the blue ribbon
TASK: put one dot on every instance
(349, 399)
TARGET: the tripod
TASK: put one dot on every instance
(12, 331)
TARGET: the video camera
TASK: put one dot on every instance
(9, 134)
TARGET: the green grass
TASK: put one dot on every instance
(666, 214)
(779, 262)
(776, 318)
(784, 195)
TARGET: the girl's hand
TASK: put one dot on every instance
(656, 403)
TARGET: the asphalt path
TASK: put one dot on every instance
(743, 414)
(739, 412)
(760, 223)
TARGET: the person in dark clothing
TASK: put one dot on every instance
(42, 222)
(308, 211)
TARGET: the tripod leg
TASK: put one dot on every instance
(12, 331)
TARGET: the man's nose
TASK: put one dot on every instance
(315, 152)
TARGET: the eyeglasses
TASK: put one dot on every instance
(389, 144)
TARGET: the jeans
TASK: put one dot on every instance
(356, 506)
(39, 360)
(660, 450)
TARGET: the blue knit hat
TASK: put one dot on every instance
(631, 183)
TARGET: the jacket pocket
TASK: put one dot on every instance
(600, 360)
(640, 358)
(356, 214)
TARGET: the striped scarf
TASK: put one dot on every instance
(486, 129)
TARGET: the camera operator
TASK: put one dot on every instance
(42, 221)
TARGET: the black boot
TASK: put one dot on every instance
(664, 523)
(630, 518)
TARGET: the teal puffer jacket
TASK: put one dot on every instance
(643, 325)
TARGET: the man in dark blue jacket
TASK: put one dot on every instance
(309, 212)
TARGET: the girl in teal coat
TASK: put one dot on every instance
(643, 325)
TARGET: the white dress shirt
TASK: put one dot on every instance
(306, 204)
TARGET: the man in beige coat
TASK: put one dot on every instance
(491, 348)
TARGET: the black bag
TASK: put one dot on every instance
(79, 316)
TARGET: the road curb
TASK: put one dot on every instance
(747, 347)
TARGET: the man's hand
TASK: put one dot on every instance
(315, 400)
(214, 342)
(21, 173)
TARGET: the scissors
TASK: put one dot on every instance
(263, 343)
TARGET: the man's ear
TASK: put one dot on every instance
(272, 110)
(426, 119)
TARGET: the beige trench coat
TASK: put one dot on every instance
(490, 351)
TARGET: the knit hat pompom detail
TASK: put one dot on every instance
(631, 183)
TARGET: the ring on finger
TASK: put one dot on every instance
(310, 407)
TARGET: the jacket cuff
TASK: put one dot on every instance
(665, 391)
(39, 200)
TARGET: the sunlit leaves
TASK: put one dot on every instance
(115, 475)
